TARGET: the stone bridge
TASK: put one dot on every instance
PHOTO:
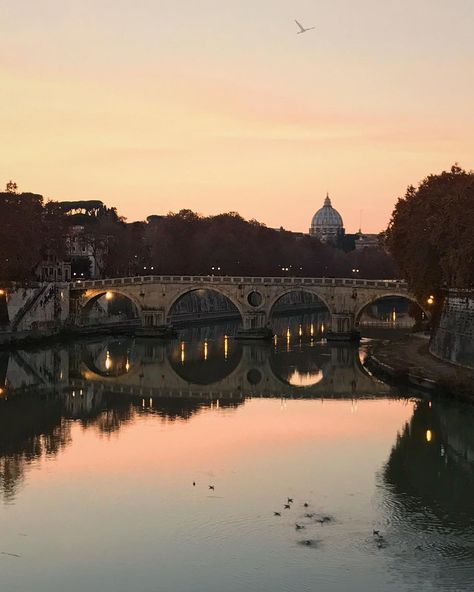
(253, 297)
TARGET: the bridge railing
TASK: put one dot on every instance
(226, 280)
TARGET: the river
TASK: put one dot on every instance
(109, 446)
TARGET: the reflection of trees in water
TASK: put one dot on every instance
(428, 497)
(38, 427)
(30, 428)
(432, 465)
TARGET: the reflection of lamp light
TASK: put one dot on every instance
(226, 347)
(300, 331)
(108, 361)
(429, 436)
(305, 379)
(311, 330)
(109, 295)
(127, 366)
(205, 350)
(183, 355)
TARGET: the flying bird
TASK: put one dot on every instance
(302, 29)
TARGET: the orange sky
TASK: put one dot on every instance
(154, 106)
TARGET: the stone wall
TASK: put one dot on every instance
(39, 307)
(454, 338)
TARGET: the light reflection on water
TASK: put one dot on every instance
(100, 444)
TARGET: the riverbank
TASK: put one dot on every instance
(408, 360)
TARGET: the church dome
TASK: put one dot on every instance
(327, 222)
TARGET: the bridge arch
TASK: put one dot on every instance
(382, 296)
(91, 297)
(273, 302)
(270, 308)
(227, 294)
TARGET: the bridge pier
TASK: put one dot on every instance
(342, 328)
(255, 325)
(154, 324)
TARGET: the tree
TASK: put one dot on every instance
(431, 232)
(11, 187)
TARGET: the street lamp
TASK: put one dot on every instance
(430, 300)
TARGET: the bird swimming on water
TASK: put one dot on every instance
(211, 487)
(287, 506)
(277, 513)
(290, 500)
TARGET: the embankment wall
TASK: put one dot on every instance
(453, 340)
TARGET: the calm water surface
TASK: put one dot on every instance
(101, 441)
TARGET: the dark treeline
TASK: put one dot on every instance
(179, 243)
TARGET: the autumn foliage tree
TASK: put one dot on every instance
(431, 232)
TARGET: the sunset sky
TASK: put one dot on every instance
(158, 105)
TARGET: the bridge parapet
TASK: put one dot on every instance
(232, 280)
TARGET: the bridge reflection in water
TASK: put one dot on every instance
(225, 369)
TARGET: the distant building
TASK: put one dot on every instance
(327, 224)
(53, 268)
(366, 241)
(87, 256)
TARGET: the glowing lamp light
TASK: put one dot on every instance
(2, 292)
(109, 295)
(430, 300)
(429, 435)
